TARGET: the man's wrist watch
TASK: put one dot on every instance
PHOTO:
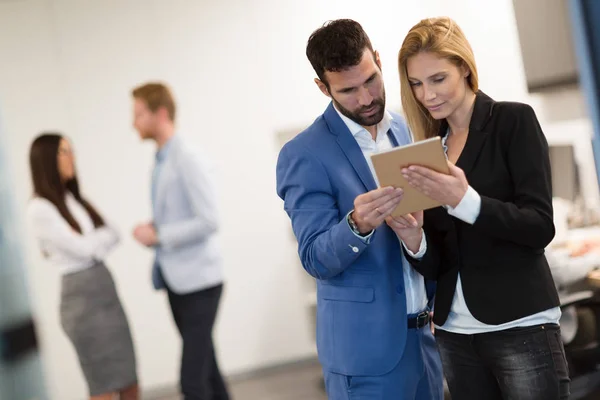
(353, 225)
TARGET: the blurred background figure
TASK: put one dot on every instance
(75, 238)
(183, 232)
(20, 367)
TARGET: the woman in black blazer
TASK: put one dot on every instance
(496, 306)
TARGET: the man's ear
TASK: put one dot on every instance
(377, 59)
(322, 87)
(163, 113)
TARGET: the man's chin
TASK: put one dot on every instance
(373, 119)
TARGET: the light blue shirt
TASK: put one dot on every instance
(160, 157)
(460, 320)
(185, 216)
(414, 283)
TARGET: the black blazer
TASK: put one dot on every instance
(505, 275)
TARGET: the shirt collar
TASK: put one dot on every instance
(383, 126)
(162, 153)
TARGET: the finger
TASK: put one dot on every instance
(404, 219)
(409, 220)
(454, 170)
(396, 193)
(374, 210)
(417, 181)
(373, 195)
(399, 225)
(416, 171)
(402, 224)
(378, 206)
(394, 224)
(387, 208)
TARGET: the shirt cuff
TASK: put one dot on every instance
(469, 207)
(422, 248)
(366, 239)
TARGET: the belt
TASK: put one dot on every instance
(417, 321)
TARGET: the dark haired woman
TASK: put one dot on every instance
(75, 238)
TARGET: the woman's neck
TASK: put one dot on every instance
(460, 119)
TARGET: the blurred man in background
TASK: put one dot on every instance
(183, 234)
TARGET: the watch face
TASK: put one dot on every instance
(352, 223)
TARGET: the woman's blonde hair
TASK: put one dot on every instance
(444, 38)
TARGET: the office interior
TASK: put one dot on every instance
(243, 87)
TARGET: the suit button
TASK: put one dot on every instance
(400, 289)
(355, 249)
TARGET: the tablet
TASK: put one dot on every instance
(388, 166)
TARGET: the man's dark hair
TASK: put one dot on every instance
(337, 46)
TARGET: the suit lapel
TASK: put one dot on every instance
(350, 147)
(482, 110)
(472, 149)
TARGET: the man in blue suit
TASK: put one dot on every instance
(373, 335)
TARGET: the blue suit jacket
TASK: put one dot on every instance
(361, 304)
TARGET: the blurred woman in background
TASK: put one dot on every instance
(74, 237)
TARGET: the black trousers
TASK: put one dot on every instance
(515, 364)
(194, 315)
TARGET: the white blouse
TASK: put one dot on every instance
(64, 247)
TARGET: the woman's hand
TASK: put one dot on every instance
(446, 189)
(408, 228)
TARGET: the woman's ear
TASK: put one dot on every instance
(466, 71)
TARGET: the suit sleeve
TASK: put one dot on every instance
(326, 245)
(527, 220)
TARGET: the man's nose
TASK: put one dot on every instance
(364, 97)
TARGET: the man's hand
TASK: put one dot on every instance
(408, 228)
(372, 208)
(146, 234)
(446, 189)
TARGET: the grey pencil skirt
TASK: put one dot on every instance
(93, 318)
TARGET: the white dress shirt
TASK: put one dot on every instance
(414, 283)
(460, 320)
(62, 246)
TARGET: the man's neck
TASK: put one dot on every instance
(164, 135)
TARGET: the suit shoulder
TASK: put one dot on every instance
(311, 137)
(399, 118)
(514, 108)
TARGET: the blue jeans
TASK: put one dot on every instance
(522, 364)
(417, 376)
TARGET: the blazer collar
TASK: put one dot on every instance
(349, 146)
(482, 111)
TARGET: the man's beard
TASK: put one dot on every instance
(362, 120)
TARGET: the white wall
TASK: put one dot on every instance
(240, 75)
